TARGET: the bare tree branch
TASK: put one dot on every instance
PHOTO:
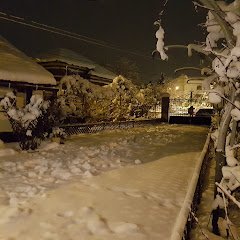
(202, 6)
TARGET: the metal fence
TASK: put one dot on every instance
(71, 129)
(110, 113)
(179, 106)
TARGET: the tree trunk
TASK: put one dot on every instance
(220, 156)
(233, 133)
(220, 162)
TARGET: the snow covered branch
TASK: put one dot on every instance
(160, 41)
(233, 199)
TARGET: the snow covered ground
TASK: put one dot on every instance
(138, 201)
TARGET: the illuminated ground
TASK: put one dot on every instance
(106, 186)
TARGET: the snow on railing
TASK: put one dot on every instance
(180, 225)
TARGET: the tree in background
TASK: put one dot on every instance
(127, 68)
(124, 98)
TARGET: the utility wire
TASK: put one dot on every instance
(44, 27)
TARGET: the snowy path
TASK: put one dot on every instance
(134, 202)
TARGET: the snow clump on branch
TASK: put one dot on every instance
(160, 41)
(214, 32)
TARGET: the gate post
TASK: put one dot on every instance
(165, 108)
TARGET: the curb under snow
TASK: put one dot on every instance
(180, 224)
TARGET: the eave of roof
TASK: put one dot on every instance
(15, 66)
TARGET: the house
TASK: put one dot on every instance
(20, 73)
(61, 62)
(184, 87)
(185, 92)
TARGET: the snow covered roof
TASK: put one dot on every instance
(102, 72)
(73, 58)
(15, 66)
(66, 56)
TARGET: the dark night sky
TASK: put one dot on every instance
(127, 24)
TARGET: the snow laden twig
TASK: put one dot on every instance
(223, 128)
(218, 54)
(235, 177)
(234, 200)
(196, 220)
(220, 19)
(187, 68)
(233, 133)
(207, 81)
(196, 48)
(225, 207)
(164, 5)
(222, 96)
(203, 71)
(160, 41)
(236, 146)
(196, 4)
(228, 222)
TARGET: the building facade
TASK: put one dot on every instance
(61, 62)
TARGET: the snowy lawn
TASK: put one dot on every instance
(71, 201)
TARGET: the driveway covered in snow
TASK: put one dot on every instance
(78, 197)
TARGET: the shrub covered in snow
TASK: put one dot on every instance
(123, 98)
(82, 100)
(86, 102)
(32, 123)
(58, 133)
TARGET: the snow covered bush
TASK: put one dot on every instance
(87, 102)
(123, 98)
(148, 98)
(82, 100)
(28, 123)
(73, 95)
(59, 133)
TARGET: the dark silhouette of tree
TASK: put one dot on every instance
(127, 68)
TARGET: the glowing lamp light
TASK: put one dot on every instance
(177, 87)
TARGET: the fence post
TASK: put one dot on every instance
(165, 109)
